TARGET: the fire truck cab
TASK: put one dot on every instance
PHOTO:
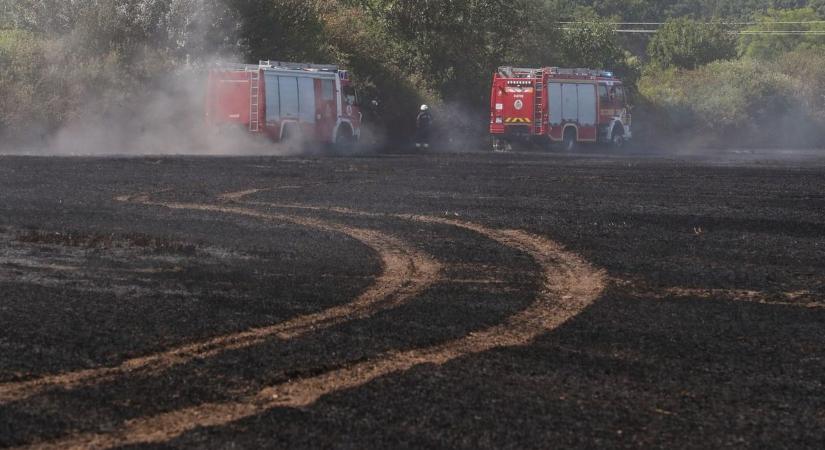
(286, 102)
(555, 105)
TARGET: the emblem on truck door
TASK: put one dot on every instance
(518, 104)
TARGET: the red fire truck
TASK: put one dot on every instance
(288, 102)
(569, 106)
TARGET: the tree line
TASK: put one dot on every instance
(58, 57)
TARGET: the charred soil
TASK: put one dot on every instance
(468, 300)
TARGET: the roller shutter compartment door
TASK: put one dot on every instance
(587, 104)
(554, 91)
(570, 102)
(290, 108)
(273, 101)
(306, 100)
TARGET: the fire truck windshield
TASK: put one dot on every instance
(351, 95)
(618, 94)
(611, 94)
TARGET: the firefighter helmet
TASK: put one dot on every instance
(424, 107)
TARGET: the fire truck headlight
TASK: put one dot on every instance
(499, 120)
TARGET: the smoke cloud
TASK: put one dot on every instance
(120, 78)
(169, 119)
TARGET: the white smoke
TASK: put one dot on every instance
(151, 103)
(169, 119)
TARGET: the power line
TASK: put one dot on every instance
(752, 31)
(807, 22)
(774, 32)
(814, 32)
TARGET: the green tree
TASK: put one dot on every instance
(591, 44)
(688, 44)
(93, 27)
(765, 41)
(457, 44)
(818, 6)
(279, 29)
(595, 44)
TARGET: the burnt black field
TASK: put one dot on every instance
(709, 330)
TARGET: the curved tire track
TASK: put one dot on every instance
(569, 285)
(406, 273)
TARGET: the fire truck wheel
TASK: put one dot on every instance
(617, 137)
(501, 145)
(291, 139)
(570, 144)
(344, 142)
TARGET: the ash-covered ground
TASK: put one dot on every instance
(474, 300)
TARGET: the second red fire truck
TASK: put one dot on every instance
(289, 102)
(567, 106)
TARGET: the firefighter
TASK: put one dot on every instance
(423, 125)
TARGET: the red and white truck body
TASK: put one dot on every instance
(283, 101)
(560, 105)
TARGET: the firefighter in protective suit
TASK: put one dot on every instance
(423, 127)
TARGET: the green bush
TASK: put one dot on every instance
(806, 68)
(46, 83)
(21, 101)
(742, 102)
(90, 58)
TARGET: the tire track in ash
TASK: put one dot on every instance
(406, 272)
(569, 285)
